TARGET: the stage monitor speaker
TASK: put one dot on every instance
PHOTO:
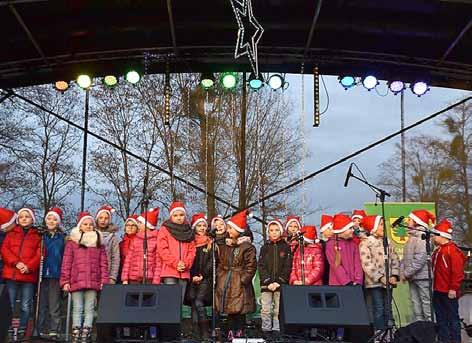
(126, 310)
(5, 318)
(304, 307)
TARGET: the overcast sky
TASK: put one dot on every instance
(356, 118)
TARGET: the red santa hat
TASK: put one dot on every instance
(358, 214)
(239, 221)
(177, 206)
(444, 229)
(215, 219)
(371, 223)
(133, 219)
(151, 216)
(275, 222)
(30, 211)
(105, 209)
(293, 219)
(7, 218)
(309, 234)
(422, 217)
(341, 223)
(82, 217)
(57, 213)
(198, 218)
(326, 222)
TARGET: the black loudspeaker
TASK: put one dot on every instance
(417, 332)
(132, 311)
(6, 313)
(303, 307)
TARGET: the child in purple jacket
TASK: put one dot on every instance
(84, 272)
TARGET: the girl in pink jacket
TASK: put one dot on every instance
(176, 247)
(133, 268)
(84, 271)
(313, 260)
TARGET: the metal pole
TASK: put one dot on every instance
(242, 140)
(84, 152)
(403, 157)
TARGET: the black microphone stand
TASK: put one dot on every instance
(301, 246)
(42, 232)
(214, 329)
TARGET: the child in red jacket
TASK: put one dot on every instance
(313, 260)
(176, 247)
(21, 257)
(448, 267)
(131, 229)
(7, 223)
(292, 227)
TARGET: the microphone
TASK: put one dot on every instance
(398, 221)
(348, 175)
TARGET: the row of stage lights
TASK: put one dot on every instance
(229, 81)
(369, 82)
(85, 81)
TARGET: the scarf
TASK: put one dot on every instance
(181, 232)
(201, 240)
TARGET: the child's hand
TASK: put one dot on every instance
(393, 280)
(181, 266)
(271, 287)
(20, 265)
(276, 285)
(451, 294)
(66, 288)
(298, 283)
(125, 282)
(383, 280)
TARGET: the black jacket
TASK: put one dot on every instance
(202, 265)
(275, 263)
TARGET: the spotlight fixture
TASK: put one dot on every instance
(419, 88)
(256, 83)
(396, 86)
(370, 82)
(276, 81)
(133, 77)
(316, 97)
(84, 81)
(207, 80)
(229, 80)
(347, 81)
(110, 80)
(61, 86)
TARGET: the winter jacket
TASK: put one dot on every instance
(448, 266)
(133, 268)
(124, 247)
(275, 263)
(2, 238)
(112, 246)
(84, 266)
(171, 251)
(325, 277)
(313, 267)
(372, 260)
(350, 269)
(293, 243)
(202, 266)
(414, 266)
(19, 246)
(236, 268)
(54, 245)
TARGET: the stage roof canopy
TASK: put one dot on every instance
(44, 41)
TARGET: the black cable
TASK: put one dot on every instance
(327, 96)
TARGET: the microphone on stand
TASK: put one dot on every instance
(398, 221)
(348, 175)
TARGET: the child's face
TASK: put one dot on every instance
(232, 232)
(178, 217)
(201, 228)
(357, 221)
(380, 229)
(411, 222)
(220, 226)
(328, 233)
(293, 228)
(51, 222)
(25, 219)
(130, 228)
(346, 234)
(439, 240)
(141, 227)
(103, 220)
(86, 225)
(274, 232)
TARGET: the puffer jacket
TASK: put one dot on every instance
(19, 246)
(2, 238)
(372, 260)
(171, 251)
(275, 263)
(112, 247)
(314, 265)
(350, 268)
(84, 266)
(54, 245)
(133, 268)
(414, 264)
(448, 266)
(124, 247)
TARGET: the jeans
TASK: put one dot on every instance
(50, 306)
(447, 317)
(270, 302)
(378, 296)
(176, 281)
(83, 304)
(420, 300)
(26, 290)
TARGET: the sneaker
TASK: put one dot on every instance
(230, 336)
(239, 333)
(53, 334)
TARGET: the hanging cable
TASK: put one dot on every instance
(327, 95)
(302, 138)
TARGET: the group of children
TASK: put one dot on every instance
(349, 253)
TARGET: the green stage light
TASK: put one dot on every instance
(110, 81)
(84, 81)
(207, 80)
(229, 80)
(133, 77)
(256, 83)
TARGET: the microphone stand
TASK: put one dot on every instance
(41, 232)
(301, 246)
(214, 329)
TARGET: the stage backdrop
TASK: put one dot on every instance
(399, 237)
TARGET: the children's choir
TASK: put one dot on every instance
(349, 252)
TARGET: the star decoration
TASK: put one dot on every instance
(249, 33)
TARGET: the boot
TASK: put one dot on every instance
(204, 326)
(86, 336)
(75, 335)
(196, 331)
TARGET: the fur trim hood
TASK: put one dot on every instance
(89, 239)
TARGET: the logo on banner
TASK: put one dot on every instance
(399, 234)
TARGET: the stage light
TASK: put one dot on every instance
(256, 83)
(207, 80)
(229, 80)
(110, 81)
(84, 81)
(276, 81)
(61, 86)
(396, 86)
(419, 88)
(370, 82)
(347, 81)
(133, 77)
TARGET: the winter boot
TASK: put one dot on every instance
(86, 336)
(75, 336)
(204, 326)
